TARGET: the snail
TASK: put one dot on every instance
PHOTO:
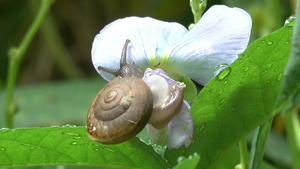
(123, 107)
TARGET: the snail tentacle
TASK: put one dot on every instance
(125, 70)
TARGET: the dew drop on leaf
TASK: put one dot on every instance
(279, 76)
(96, 149)
(69, 133)
(270, 65)
(224, 73)
(276, 69)
(74, 143)
(2, 148)
(96, 144)
(269, 43)
(263, 41)
(225, 82)
(246, 69)
(289, 20)
(4, 130)
(107, 149)
(220, 92)
(222, 101)
(220, 68)
(77, 137)
(180, 159)
(268, 82)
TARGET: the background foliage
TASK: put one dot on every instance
(56, 80)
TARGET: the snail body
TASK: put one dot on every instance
(123, 107)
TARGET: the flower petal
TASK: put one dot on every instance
(221, 34)
(181, 128)
(148, 37)
(157, 136)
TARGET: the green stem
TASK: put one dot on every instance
(291, 123)
(15, 57)
(244, 153)
(198, 7)
(56, 46)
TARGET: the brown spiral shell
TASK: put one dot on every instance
(120, 110)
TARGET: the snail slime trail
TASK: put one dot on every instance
(123, 107)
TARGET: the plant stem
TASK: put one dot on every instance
(198, 7)
(291, 123)
(15, 57)
(244, 153)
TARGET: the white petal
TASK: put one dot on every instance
(157, 136)
(221, 34)
(181, 128)
(148, 37)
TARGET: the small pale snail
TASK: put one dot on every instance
(123, 107)
(126, 104)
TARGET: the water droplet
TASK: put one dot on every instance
(276, 69)
(220, 92)
(2, 148)
(69, 125)
(96, 144)
(246, 69)
(270, 65)
(289, 20)
(4, 130)
(224, 73)
(268, 81)
(257, 47)
(180, 159)
(96, 149)
(263, 41)
(279, 76)
(69, 133)
(202, 126)
(77, 137)
(74, 143)
(222, 101)
(107, 149)
(28, 145)
(220, 68)
(211, 91)
(269, 43)
(54, 126)
(225, 82)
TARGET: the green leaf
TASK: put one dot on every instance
(258, 144)
(71, 146)
(190, 162)
(290, 92)
(238, 100)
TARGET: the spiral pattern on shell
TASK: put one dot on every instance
(120, 110)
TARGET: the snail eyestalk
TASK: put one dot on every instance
(126, 70)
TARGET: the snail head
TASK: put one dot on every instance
(125, 70)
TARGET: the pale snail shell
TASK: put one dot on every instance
(122, 108)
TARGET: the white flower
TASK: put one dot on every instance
(221, 34)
